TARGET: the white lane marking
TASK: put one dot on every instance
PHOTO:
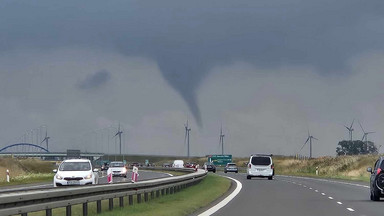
(316, 191)
(305, 186)
(325, 180)
(331, 198)
(323, 194)
(350, 209)
(294, 182)
(224, 201)
(299, 184)
(340, 203)
(310, 188)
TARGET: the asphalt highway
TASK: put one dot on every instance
(300, 196)
(143, 175)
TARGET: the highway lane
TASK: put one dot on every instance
(300, 196)
(143, 175)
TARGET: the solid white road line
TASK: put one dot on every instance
(340, 203)
(350, 209)
(224, 201)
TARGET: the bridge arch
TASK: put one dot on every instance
(23, 144)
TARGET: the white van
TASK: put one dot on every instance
(260, 165)
(178, 164)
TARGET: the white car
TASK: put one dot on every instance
(260, 165)
(178, 164)
(75, 172)
(118, 168)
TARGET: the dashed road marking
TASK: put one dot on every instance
(330, 198)
(310, 188)
(305, 186)
(325, 180)
(323, 194)
(350, 209)
(340, 203)
(316, 191)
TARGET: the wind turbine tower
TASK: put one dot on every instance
(119, 132)
(186, 139)
(365, 136)
(222, 140)
(46, 138)
(350, 130)
(310, 137)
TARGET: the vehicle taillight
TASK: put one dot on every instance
(378, 171)
(272, 167)
(249, 165)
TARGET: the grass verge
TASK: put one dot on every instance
(29, 179)
(185, 202)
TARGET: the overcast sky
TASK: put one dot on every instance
(267, 71)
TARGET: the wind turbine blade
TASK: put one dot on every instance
(347, 128)
(303, 146)
(44, 140)
(314, 138)
(362, 139)
(309, 133)
(352, 123)
(361, 127)
(307, 140)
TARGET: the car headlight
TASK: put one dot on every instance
(59, 177)
(88, 176)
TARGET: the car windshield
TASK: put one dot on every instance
(263, 161)
(75, 166)
(120, 164)
(231, 165)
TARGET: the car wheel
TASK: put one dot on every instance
(236, 171)
(270, 178)
(248, 177)
(125, 176)
(214, 171)
(225, 171)
(375, 196)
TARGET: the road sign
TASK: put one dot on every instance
(220, 160)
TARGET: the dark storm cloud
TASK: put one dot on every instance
(94, 81)
(188, 38)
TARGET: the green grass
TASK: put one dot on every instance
(28, 179)
(181, 203)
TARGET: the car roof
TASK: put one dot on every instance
(262, 155)
(77, 160)
(117, 162)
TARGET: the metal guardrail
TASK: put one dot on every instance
(48, 199)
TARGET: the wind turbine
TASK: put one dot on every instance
(365, 136)
(310, 137)
(46, 138)
(350, 129)
(119, 132)
(222, 140)
(186, 139)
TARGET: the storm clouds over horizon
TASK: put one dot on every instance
(267, 70)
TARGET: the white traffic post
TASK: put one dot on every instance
(135, 174)
(7, 175)
(317, 171)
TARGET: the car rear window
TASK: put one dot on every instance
(264, 161)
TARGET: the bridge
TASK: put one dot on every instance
(32, 150)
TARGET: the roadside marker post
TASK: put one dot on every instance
(317, 171)
(7, 175)
(135, 174)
